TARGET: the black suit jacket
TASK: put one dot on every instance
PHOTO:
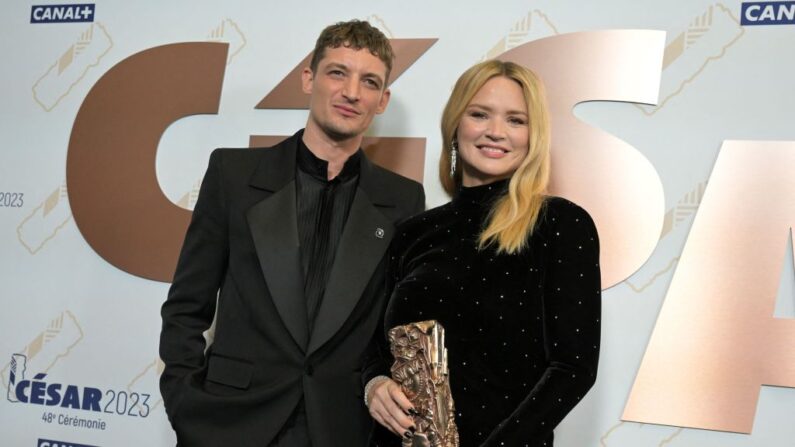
(240, 263)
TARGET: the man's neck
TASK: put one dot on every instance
(335, 152)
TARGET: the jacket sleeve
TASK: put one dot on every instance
(190, 306)
(571, 327)
(378, 358)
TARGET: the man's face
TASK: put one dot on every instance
(348, 90)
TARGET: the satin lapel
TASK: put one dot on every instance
(274, 227)
(363, 242)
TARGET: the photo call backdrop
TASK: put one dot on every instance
(672, 125)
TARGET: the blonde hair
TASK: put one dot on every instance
(513, 216)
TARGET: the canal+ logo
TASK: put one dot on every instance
(39, 392)
(62, 13)
(768, 13)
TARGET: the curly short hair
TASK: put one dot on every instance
(355, 34)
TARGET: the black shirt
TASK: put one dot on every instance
(322, 207)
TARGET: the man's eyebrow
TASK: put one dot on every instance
(341, 66)
(337, 65)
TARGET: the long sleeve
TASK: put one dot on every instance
(571, 313)
(190, 307)
(378, 359)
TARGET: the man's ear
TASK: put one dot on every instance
(306, 80)
(382, 103)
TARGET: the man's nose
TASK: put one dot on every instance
(351, 89)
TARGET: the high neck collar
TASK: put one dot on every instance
(481, 195)
(318, 168)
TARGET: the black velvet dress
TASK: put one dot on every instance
(522, 331)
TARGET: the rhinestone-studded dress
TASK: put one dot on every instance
(522, 330)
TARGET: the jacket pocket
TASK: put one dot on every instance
(230, 372)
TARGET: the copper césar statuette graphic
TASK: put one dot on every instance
(421, 370)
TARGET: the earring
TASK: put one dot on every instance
(453, 156)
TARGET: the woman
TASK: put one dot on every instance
(511, 274)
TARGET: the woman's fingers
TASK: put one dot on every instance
(380, 419)
(400, 399)
(387, 405)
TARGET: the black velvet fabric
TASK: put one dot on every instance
(522, 331)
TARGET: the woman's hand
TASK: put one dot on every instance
(391, 408)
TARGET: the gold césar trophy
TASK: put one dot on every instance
(421, 370)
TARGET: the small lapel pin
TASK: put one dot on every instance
(379, 233)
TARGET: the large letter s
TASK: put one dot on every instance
(612, 180)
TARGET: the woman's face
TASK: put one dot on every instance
(493, 133)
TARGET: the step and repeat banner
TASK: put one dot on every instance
(672, 125)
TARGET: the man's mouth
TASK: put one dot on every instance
(347, 111)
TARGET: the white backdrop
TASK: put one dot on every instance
(87, 324)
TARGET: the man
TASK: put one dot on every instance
(285, 249)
